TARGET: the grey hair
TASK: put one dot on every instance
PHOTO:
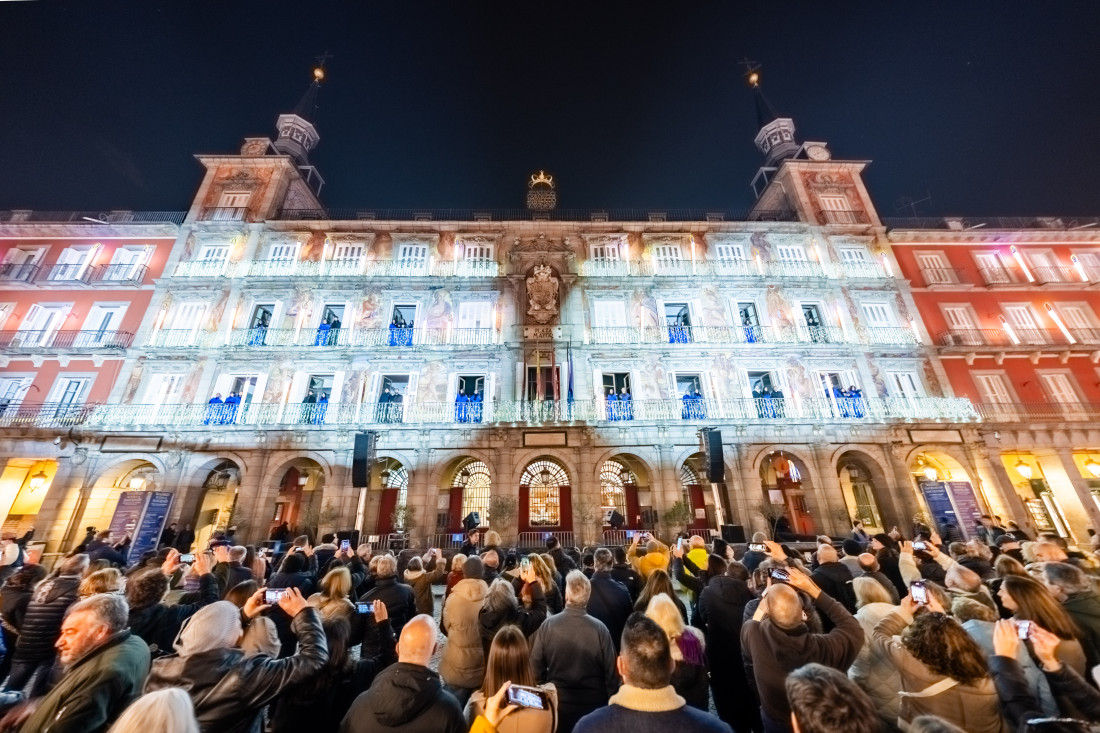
(1070, 578)
(75, 565)
(603, 559)
(577, 589)
(501, 596)
(386, 567)
(110, 609)
(237, 553)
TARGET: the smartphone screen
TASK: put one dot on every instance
(779, 574)
(757, 546)
(364, 607)
(527, 697)
(630, 534)
(1022, 628)
(919, 593)
(345, 545)
(920, 545)
(525, 563)
(188, 558)
(273, 595)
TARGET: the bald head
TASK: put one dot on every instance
(868, 562)
(784, 606)
(698, 542)
(1049, 552)
(826, 553)
(962, 578)
(418, 641)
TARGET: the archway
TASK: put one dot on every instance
(953, 506)
(701, 515)
(860, 480)
(394, 513)
(545, 497)
(128, 475)
(471, 491)
(299, 501)
(782, 476)
(619, 490)
(218, 501)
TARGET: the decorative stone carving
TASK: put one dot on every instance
(80, 455)
(542, 294)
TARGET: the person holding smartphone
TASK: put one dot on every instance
(510, 661)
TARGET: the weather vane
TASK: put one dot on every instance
(752, 71)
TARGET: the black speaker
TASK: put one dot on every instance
(616, 520)
(733, 533)
(351, 535)
(472, 521)
(712, 449)
(361, 460)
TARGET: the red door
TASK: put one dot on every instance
(385, 511)
(698, 501)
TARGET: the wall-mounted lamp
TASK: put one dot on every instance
(1024, 469)
(38, 480)
(1093, 467)
(136, 483)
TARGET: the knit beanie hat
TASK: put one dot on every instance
(473, 569)
(217, 626)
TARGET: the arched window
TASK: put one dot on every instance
(544, 480)
(688, 478)
(474, 481)
(613, 479)
(398, 479)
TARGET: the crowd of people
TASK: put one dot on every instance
(993, 634)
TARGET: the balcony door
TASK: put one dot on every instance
(12, 392)
(101, 325)
(475, 322)
(41, 323)
(1023, 322)
(186, 323)
(991, 268)
(1060, 391)
(412, 257)
(126, 263)
(935, 268)
(962, 327)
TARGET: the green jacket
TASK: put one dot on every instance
(95, 690)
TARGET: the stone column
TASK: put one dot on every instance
(67, 494)
(1080, 485)
(827, 487)
(992, 490)
(905, 490)
(422, 497)
(253, 498)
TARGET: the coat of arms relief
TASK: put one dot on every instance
(542, 294)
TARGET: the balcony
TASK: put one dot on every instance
(80, 340)
(863, 271)
(1025, 412)
(887, 335)
(482, 215)
(1001, 276)
(81, 273)
(793, 268)
(18, 216)
(224, 213)
(261, 338)
(944, 276)
(119, 274)
(1024, 337)
(844, 218)
(735, 268)
(510, 413)
(202, 268)
(1056, 276)
(18, 273)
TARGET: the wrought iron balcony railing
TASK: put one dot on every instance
(37, 340)
(844, 218)
(17, 216)
(259, 338)
(863, 270)
(601, 215)
(224, 213)
(887, 335)
(204, 268)
(69, 273)
(119, 274)
(736, 268)
(17, 273)
(937, 276)
(795, 268)
(347, 267)
(747, 410)
(1027, 412)
(1018, 337)
(1054, 275)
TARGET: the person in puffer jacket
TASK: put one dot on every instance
(34, 651)
(421, 574)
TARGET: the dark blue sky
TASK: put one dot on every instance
(990, 107)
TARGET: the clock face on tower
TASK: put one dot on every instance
(817, 152)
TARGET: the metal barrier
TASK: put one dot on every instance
(538, 539)
(448, 541)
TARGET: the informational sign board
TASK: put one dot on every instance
(141, 515)
(966, 505)
(940, 505)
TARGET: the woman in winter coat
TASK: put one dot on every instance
(502, 609)
(14, 596)
(689, 678)
(510, 661)
(943, 671)
(422, 574)
(333, 602)
(1029, 600)
(873, 671)
(463, 664)
(151, 619)
(455, 575)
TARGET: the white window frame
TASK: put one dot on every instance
(883, 309)
(475, 314)
(730, 252)
(1002, 395)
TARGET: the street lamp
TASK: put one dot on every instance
(1093, 467)
(1023, 469)
(38, 480)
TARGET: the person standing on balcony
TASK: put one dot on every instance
(230, 414)
(397, 412)
(213, 413)
(475, 406)
(334, 332)
(612, 404)
(309, 411)
(626, 409)
(462, 409)
(699, 405)
(321, 410)
(856, 396)
(685, 411)
(323, 332)
(778, 409)
(258, 337)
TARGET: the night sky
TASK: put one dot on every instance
(988, 107)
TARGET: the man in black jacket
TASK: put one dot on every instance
(228, 688)
(151, 619)
(229, 570)
(408, 697)
(834, 578)
(562, 562)
(610, 600)
(625, 573)
(720, 614)
(41, 625)
(776, 641)
(399, 598)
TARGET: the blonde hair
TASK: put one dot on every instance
(457, 562)
(492, 539)
(869, 590)
(108, 580)
(666, 615)
(544, 572)
(336, 585)
(166, 711)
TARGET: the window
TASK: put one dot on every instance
(1079, 320)
(606, 252)
(474, 482)
(667, 253)
(412, 255)
(12, 391)
(730, 251)
(904, 384)
(40, 324)
(544, 480)
(286, 252)
(475, 314)
(614, 477)
(72, 263)
(1044, 266)
(399, 479)
(347, 252)
(1024, 324)
(790, 253)
(609, 321)
(678, 322)
(935, 268)
(163, 389)
(993, 388)
(688, 479)
(878, 315)
(127, 263)
(1059, 388)
(68, 391)
(854, 256)
(101, 324)
(234, 199)
(185, 324)
(962, 326)
(213, 253)
(477, 251)
(836, 209)
(991, 268)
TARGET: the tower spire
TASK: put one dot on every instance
(776, 136)
(297, 135)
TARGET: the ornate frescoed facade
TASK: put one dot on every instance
(537, 366)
